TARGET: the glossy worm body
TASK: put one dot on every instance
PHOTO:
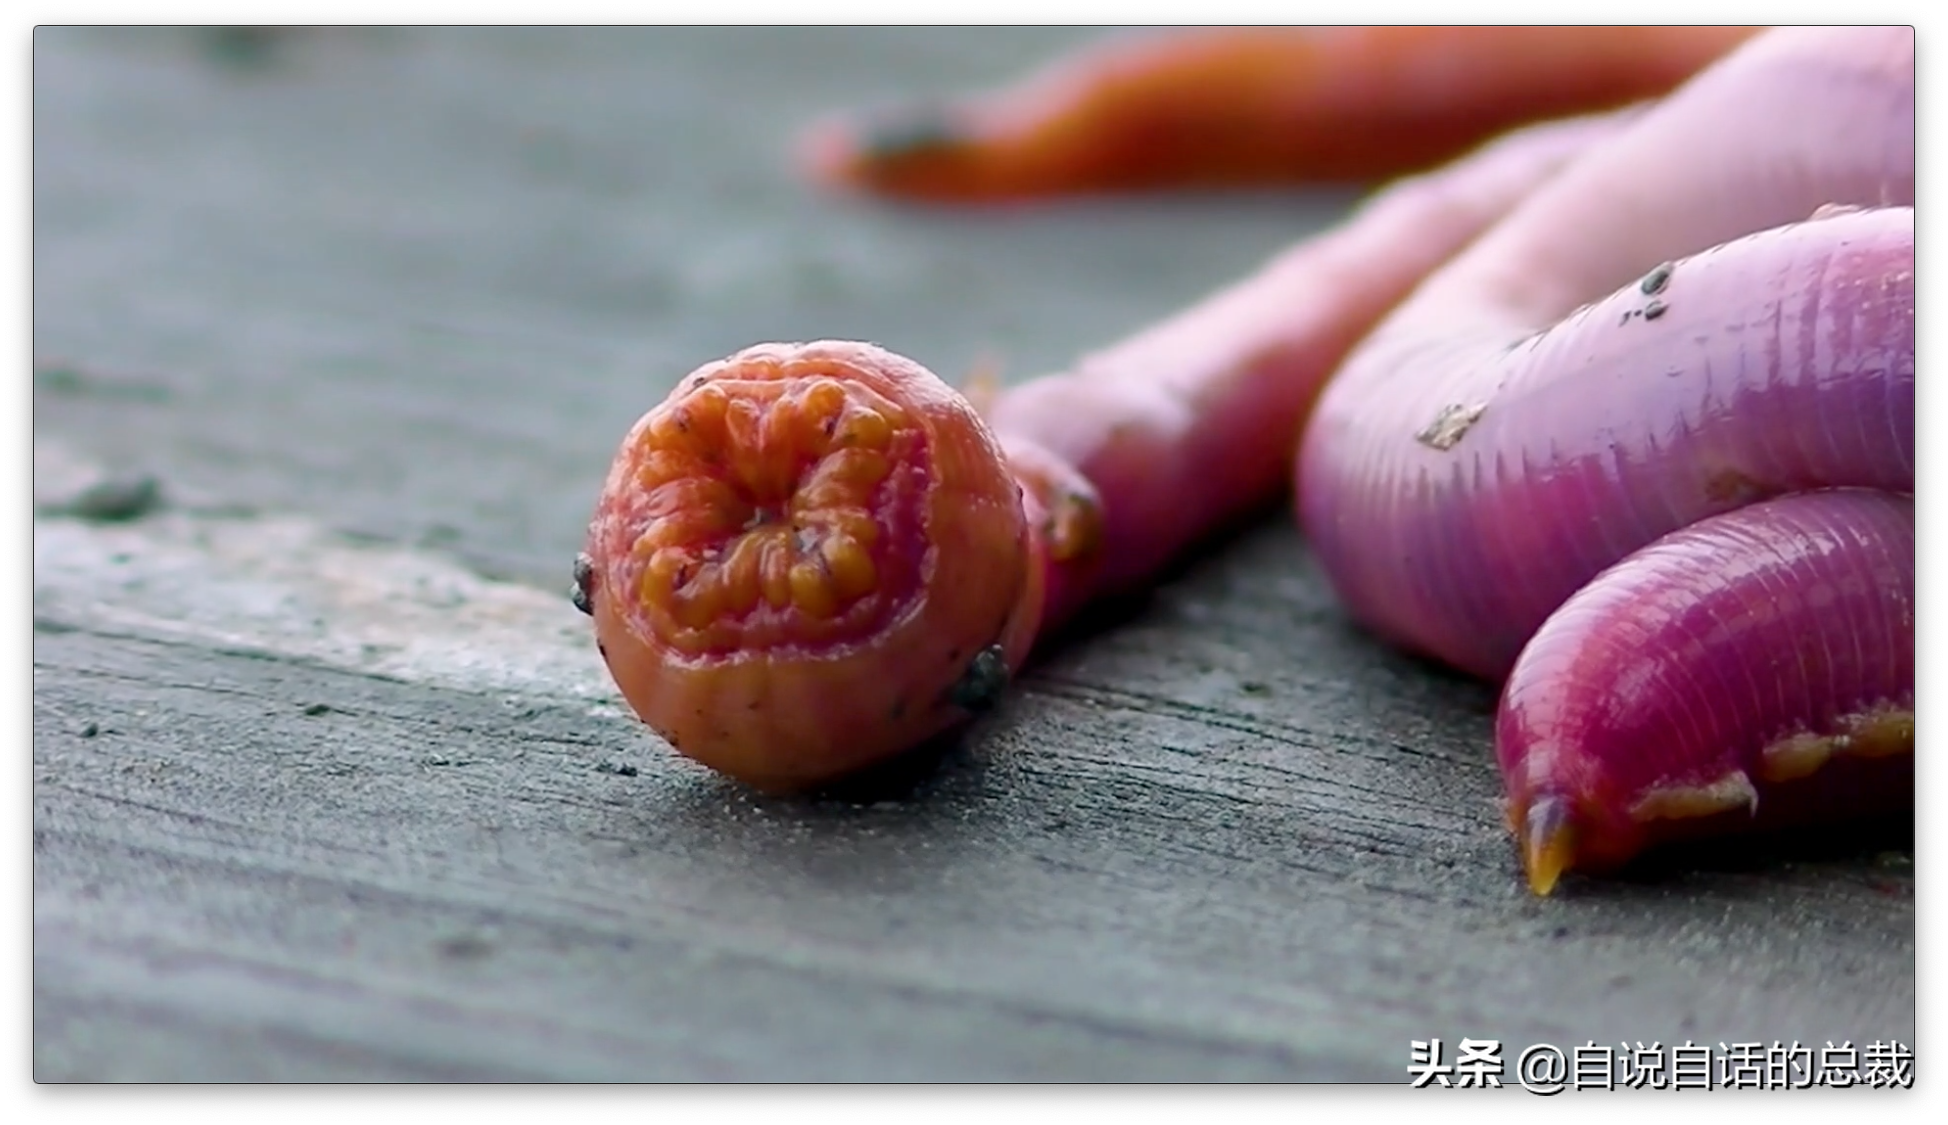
(1618, 411)
(1461, 502)
(1492, 449)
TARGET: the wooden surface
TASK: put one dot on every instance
(328, 784)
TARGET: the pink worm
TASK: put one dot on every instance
(1492, 449)
(1190, 424)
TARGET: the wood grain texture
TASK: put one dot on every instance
(413, 285)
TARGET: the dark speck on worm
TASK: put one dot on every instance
(1450, 425)
(1659, 277)
(980, 687)
(583, 589)
(917, 131)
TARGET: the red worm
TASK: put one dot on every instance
(1754, 668)
(1489, 463)
(1492, 449)
(1232, 107)
(811, 557)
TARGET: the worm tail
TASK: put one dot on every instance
(1241, 107)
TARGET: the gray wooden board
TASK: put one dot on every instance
(411, 286)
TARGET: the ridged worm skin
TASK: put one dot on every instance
(1459, 507)
(1456, 502)
(1715, 310)
(1754, 665)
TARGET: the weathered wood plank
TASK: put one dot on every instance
(412, 286)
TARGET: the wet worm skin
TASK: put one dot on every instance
(1470, 483)
(1460, 492)
(812, 556)
(1189, 424)
(1495, 480)
(807, 558)
(1651, 701)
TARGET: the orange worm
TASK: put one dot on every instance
(812, 557)
(1243, 107)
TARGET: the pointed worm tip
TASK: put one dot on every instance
(1548, 841)
(915, 130)
(855, 148)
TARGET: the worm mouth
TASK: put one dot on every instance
(772, 507)
(796, 555)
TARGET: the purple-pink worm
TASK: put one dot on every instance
(1676, 519)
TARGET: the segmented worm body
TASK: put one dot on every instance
(812, 557)
(1606, 417)
(1482, 456)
